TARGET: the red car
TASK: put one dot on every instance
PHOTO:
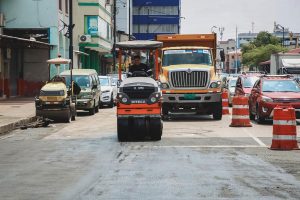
(245, 83)
(270, 91)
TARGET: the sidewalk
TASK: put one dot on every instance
(15, 112)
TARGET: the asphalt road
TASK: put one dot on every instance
(197, 158)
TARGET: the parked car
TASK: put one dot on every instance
(270, 91)
(108, 91)
(245, 83)
(89, 97)
(231, 83)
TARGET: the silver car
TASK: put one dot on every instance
(231, 83)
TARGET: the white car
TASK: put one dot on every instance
(108, 91)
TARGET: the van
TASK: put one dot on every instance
(89, 97)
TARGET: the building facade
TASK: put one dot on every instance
(153, 17)
(32, 33)
(92, 35)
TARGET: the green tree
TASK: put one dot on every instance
(260, 49)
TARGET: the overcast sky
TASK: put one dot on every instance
(201, 15)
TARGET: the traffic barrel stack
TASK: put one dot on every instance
(225, 104)
(284, 129)
(240, 112)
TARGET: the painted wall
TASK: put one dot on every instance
(29, 14)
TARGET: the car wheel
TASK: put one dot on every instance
(258, 118)
(68, 117)
(111, 104)
(97, 107)
(92, 110)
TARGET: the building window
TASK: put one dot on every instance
(155, 28)
(67, 6)
(60, 4)
(155, 10)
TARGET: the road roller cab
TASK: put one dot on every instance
(55, 100)
(139, 97)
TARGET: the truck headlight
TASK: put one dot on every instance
(154, 98)
(164, 86)
(215, 84)
(123, 98)
(266, 99)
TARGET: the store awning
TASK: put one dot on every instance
(81, 52)
(291, 62)
(11, 41)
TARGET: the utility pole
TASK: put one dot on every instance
(71, 26)
(129, 17)
(114, 34)
(236, 54)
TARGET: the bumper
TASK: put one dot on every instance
(83, 104)
(105, 98)
(54, 114)
(267, 109)
(197, 98)
(139, 116)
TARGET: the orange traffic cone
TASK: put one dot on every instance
(225, 104)
(284, 129)
(240, 112)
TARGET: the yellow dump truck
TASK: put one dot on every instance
(188, 75)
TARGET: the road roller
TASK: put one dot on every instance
(57, 101)
(139, 96)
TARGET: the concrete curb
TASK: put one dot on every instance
(12, 126)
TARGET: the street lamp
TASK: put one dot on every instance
(281, 27)
(212, 29)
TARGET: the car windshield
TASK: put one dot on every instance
(104, 81)
(232, 83)
(82, 80)
(280, 86)
(249, 81)
(189, 56)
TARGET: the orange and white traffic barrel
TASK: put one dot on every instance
(225, 104)
(240, 112)
(284, 129)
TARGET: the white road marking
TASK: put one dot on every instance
(252, 136)
(206, 146)
(255, 138)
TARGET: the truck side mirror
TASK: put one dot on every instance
(222, 55)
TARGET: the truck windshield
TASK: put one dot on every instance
(249, 81)
(280, 86)
(188, 56)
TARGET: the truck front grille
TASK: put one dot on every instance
(189, 79)
(138, 92)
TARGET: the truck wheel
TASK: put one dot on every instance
(156, 127)
(165, 111)
(217, 112)
(123, 128)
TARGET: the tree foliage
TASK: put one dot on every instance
(261, 49)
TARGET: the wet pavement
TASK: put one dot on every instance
(197, 158)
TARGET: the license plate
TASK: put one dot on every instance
(138, 101)
(190, 96)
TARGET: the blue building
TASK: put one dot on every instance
(153, 17)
